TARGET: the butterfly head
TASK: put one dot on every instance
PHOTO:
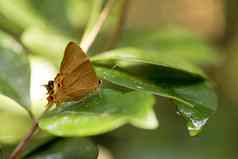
(49, 87)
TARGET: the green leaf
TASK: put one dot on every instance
(19, 13)
(9, 26)
(198, 98)
(174, 41)
(39, 140)
(101, 113)
(45, 42)
(70, 148)
(15, 121)
(195, 118)
(63, 16)
(5, 151)
(15, 71)
(153, 64)
(78, 12)
(205, 103)
(67, 16)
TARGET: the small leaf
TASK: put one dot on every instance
(101, 113)
(198, 98)
(174, 41)
(152, 64)
(15, 71)
(70, 148)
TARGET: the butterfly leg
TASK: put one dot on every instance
(99, 88)
(83, 100)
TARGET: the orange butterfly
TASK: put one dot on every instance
(76, 78)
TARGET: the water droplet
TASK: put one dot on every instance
(195, 126)
(195, 119)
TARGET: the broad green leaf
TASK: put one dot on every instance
(15, 121)
(15, 71)
(5, 151)
(9, 26)
(195, 118)
(205, 103)
(101, 113)
(68, 15)
(174, 41)
(19, 13)
(78, 12)
(39, 140)
(97, 7)
(67, 148)
(153, 64)
(198, 98)
(48, 43)
(56, 17)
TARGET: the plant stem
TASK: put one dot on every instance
(120, 23)
(88, 38)
(25, 141)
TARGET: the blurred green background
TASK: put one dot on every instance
(42, 26)
(216, 22)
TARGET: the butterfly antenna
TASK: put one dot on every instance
(44, 85)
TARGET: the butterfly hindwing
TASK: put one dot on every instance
(82, 77)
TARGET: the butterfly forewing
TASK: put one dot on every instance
(73, 57)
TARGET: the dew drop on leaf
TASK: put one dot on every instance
(195, 126)
(195, 119)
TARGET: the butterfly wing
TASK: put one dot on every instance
(73, 57)
(77, 77)
(77, 84)
(77, 95)
(82, 77)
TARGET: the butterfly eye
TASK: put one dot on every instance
(50, 83)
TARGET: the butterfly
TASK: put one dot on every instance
(76, 77)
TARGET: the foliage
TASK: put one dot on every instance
(140, 68)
